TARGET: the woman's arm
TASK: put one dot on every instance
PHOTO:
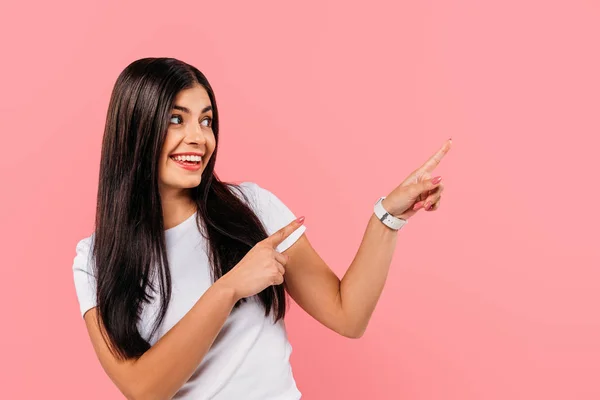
(162, 370)
(344, 306)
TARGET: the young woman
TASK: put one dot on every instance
(182, 284)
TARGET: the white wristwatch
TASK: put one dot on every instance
(388, 219)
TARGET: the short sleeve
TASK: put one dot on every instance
(85, 282)
(273, 213)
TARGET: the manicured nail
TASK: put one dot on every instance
(300, 220)
(417, 206)
(427, 205)
(436, 180)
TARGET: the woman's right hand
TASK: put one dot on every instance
(262, 266)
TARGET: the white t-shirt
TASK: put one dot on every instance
(249, 359)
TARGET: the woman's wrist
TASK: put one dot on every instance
(228, 292)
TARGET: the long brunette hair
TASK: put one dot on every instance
(129, 245)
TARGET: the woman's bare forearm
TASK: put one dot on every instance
(175, 357)
(162, 370)
(361, 286)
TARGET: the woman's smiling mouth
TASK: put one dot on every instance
(188, 161)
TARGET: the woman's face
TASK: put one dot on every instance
(190, 141)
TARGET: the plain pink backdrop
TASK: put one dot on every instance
(330, 104)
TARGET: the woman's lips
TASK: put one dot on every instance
(188, 165)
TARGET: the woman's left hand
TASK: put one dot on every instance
(418, 190)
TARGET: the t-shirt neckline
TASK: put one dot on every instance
(172, 233)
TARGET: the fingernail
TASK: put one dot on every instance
(436, 180)
(417, 206)
(427, 205)
(300, 220)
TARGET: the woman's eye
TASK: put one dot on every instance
(178, 117)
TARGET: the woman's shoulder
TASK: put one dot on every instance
(246, 186)
(85, 243)
(246, 191)
(258, 196)
(253, 188)
(83, 253)
(83, 274)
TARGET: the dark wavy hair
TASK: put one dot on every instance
(129, 245)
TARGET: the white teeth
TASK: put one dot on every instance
(187, 158)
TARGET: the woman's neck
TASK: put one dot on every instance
(177, 207)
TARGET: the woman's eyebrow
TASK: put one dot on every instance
(187, 110)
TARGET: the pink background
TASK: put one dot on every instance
(330, 104)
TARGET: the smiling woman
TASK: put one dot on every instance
(190, 140)
(167, 311)
(181, 284)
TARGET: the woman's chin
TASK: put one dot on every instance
(188, 183)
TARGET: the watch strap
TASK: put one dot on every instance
(388, 219)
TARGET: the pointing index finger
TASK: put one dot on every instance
(433, 162)
(276, 238)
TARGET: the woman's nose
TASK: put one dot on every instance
(195, 135)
